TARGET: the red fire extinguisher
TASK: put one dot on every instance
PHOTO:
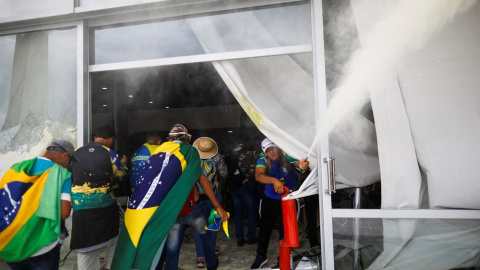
(290, 228)
(290, 225)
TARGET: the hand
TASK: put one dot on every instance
(278, 186)
(124, 159)
(222, 213)
(304, 164)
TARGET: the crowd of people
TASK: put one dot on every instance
(174, 184)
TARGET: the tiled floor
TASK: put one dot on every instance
(231, 256)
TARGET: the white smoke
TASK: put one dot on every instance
(405, 27)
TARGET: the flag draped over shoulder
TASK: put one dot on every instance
(30, 211)
(163, 186)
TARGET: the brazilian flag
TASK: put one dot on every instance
(162, 189)
(30, 211)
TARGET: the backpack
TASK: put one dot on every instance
(235, 176)
(189, 204)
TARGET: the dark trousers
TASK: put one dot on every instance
(311, 213)
(271, 211)
(243, 200)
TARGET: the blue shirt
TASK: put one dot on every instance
(289, 178)
(41, 165)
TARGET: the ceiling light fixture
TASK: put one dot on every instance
(151, 102)
(167, 107)
(130, 95)
(104, 105)
(230, 131)
(104, 88)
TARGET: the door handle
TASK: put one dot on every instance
(331, 174)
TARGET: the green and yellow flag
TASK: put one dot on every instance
(30, 211)
(161, 191)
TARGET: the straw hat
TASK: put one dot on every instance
(206, 147)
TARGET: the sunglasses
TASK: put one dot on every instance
(58, 147)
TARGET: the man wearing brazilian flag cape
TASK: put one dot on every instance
(161, 191)
(34, 199)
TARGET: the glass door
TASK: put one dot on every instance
(394, 204)
(189, 69)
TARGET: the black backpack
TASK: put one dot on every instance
(235, 176)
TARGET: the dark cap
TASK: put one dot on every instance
(62, 146)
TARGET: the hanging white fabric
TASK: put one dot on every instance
(277, 93)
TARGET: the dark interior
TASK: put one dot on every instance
(156, 88)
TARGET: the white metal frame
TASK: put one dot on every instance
(325, 201)
(203, 58)
(406, 213)
(84, 117)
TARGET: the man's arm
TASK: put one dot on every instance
(66, 199)
(66, 207)
(302, 164)
(207, 188)
(119, 166)
(262, 177)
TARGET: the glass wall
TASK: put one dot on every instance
(39, 95)
(246, 30)
(361, 243)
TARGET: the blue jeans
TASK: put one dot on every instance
(196, 219)
(45, 261)
(242, 199)
(206, 206)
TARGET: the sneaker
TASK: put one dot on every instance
(259, 262)
(240, 243)
(252, 241)
(201, 262)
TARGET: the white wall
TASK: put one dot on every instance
(11, 11)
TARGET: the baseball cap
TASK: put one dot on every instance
(266, 143)
(62, 146)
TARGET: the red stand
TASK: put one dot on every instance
(284, 256)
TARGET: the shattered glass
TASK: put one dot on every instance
(38, 89)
